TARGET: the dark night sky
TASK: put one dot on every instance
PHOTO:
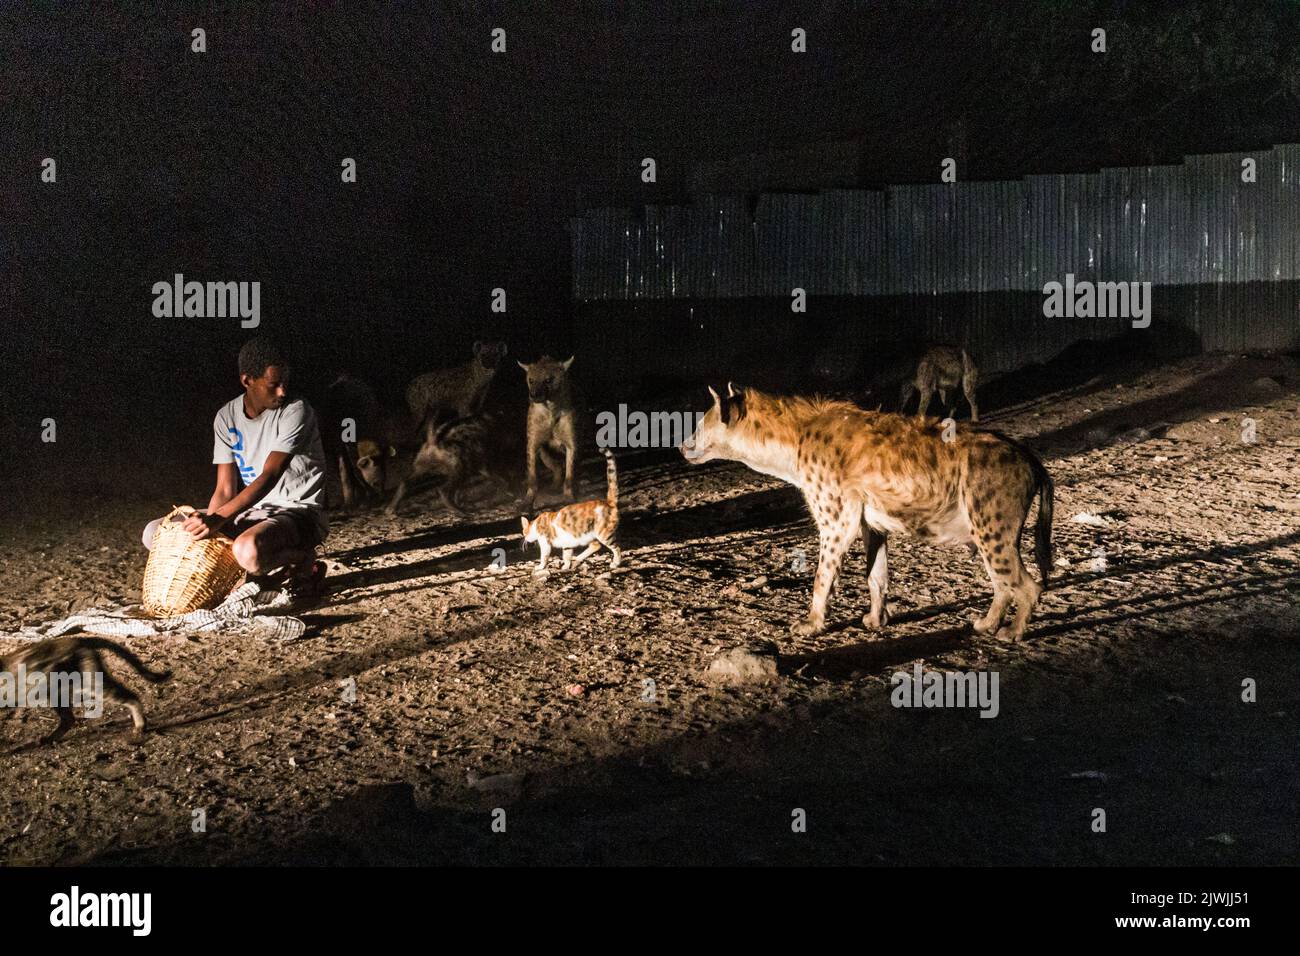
(226, 165)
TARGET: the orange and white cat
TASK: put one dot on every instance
(592, 523)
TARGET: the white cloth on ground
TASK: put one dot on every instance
(249, 609)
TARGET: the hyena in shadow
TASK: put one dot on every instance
(878, 474)
(941, 368)
(459, 391)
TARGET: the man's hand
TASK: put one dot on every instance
(202, 526)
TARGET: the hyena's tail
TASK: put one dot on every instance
(137, 665)
(1043, 527)
(611, 477)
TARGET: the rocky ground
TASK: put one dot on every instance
(577, 712)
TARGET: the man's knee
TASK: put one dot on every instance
(250, 553)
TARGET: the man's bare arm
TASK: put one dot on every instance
(228, 504)
(227, 486)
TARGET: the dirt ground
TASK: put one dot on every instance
(1125, 694)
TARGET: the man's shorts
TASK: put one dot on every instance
(294, 529)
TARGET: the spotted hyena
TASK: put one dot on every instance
(553, 426)
(456, 392)
(941, 368)
(878, 473)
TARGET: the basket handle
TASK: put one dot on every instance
(184, 510)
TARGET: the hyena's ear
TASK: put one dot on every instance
(567, 362)
(733, 407)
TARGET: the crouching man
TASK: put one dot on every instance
(270, 490)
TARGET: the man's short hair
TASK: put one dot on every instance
(259, 354)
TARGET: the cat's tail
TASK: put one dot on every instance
(137, 665)
(611, 477)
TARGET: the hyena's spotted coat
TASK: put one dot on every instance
(876, 474)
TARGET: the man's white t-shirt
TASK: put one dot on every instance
(246, 442)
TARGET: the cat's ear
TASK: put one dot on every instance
(478, 347)
(521, 365)
(524, 521)
(567, 362)
(716, 399)
(731, 390)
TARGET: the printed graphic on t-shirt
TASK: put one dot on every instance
(246, 471)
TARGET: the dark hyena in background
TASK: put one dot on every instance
(456, 392)
(350, 399)
(941, 368)
(458, 450)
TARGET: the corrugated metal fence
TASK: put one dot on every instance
(1192, 225)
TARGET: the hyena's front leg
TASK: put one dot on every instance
(570, 461)
(553, 464)
(530, 488)
(423, 465)
(837, 526)
(926, 392)
(968, 386)
(345, 481)
(877, 546)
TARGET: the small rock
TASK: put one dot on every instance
(1085, 517)
(575, 690)
(1265, 386)
(502, 784)
(742, 665)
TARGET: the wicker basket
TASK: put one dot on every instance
(184, 575)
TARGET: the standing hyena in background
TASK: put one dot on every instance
(456, 392)
(552, 423)
(880, 473)
(942, 367)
